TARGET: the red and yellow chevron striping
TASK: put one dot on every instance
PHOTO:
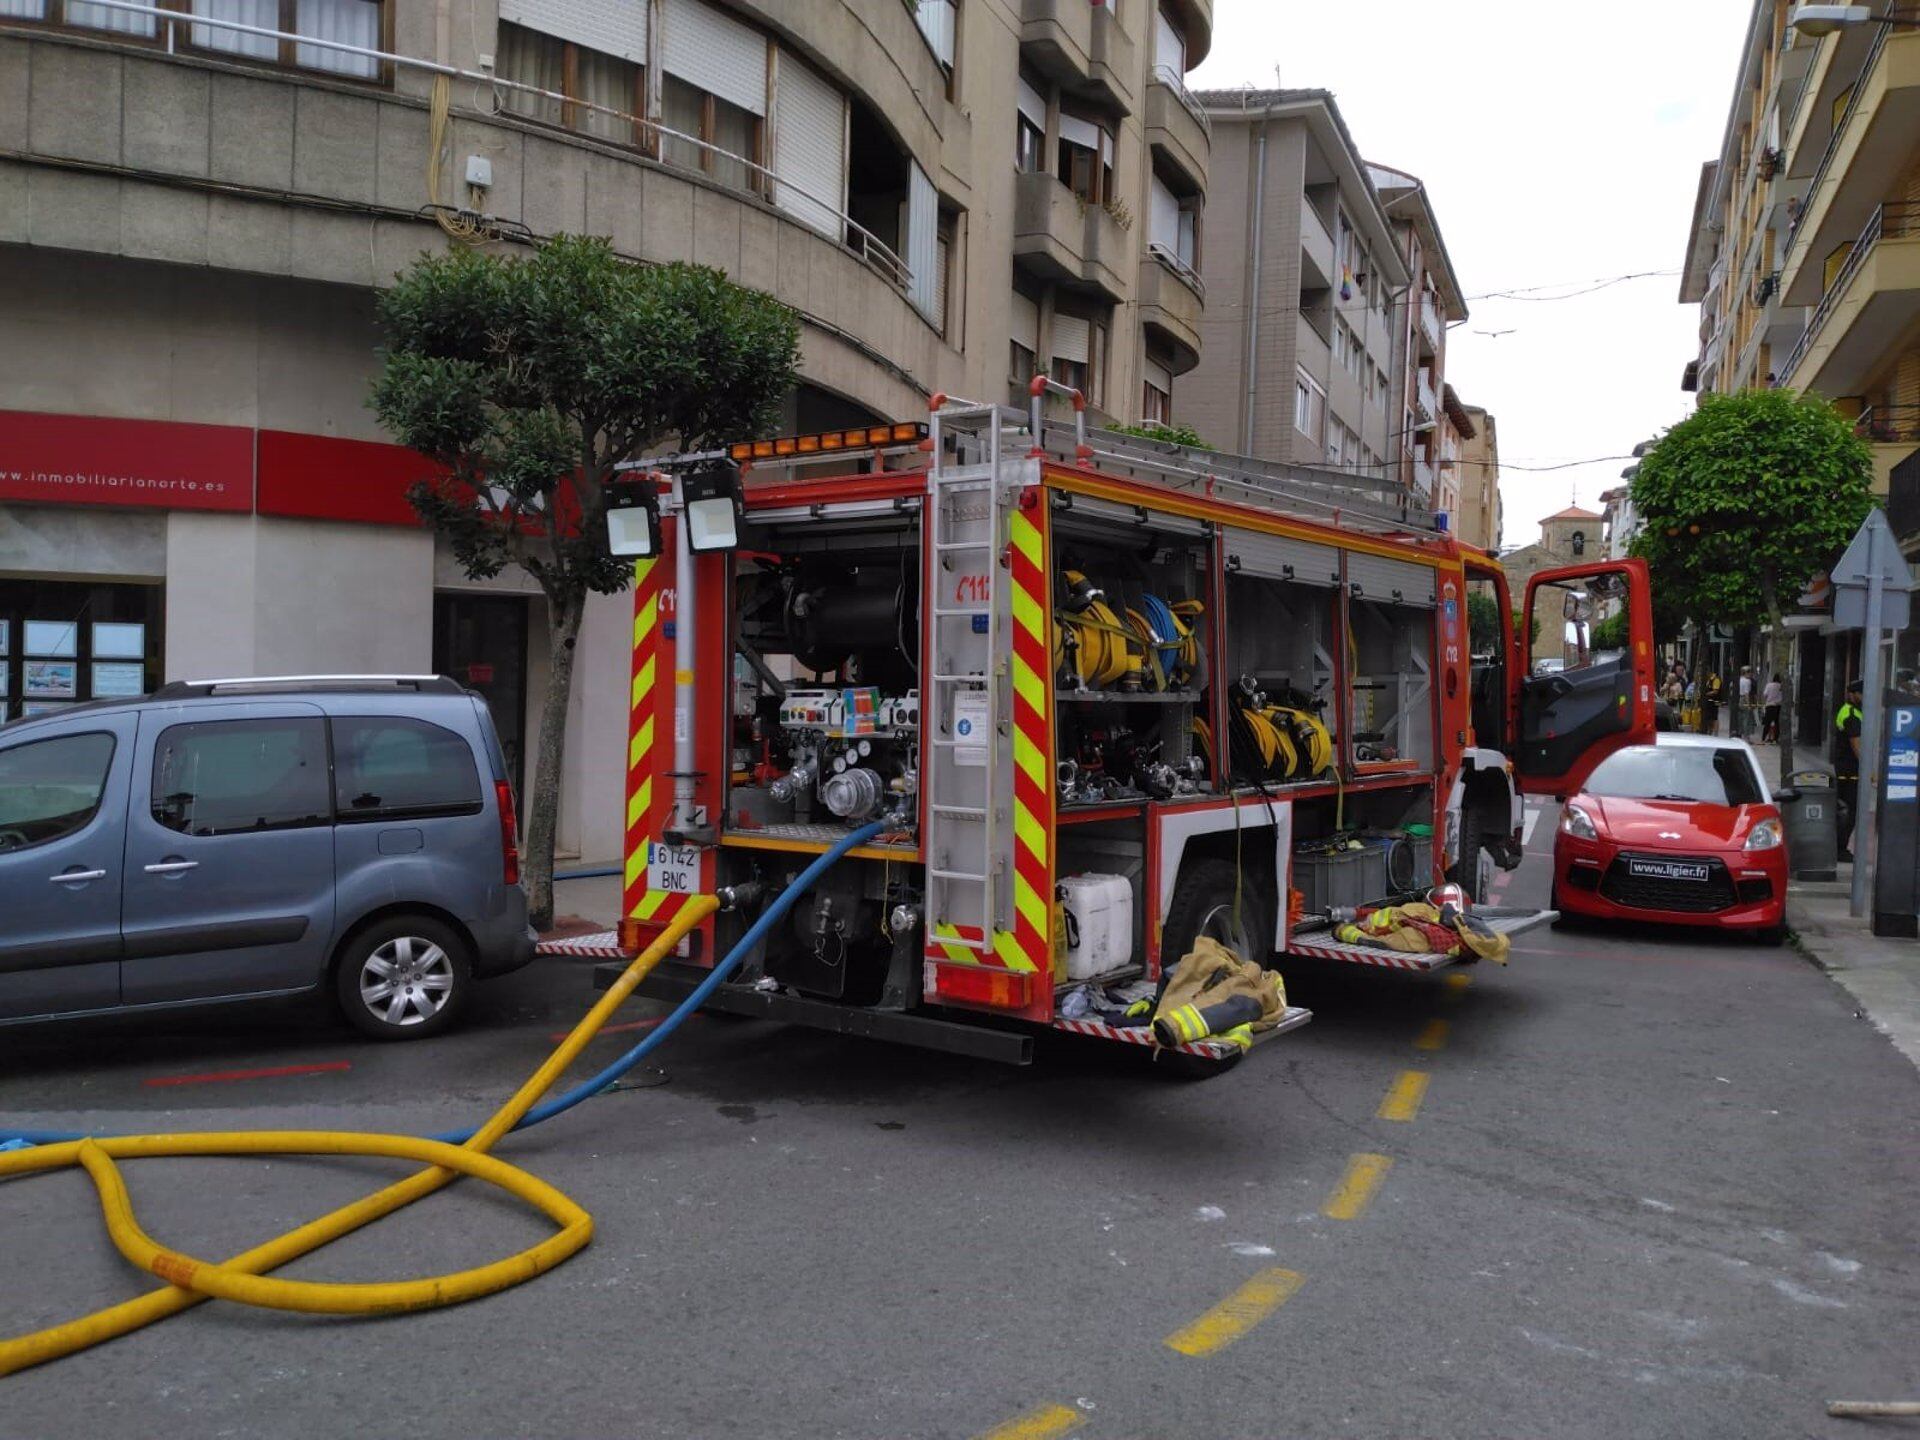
(647, 798)
(1027, 946)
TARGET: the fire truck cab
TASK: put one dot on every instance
(1101, 695)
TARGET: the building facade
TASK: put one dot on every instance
(1302, 273)
(1804, 256)
(1478, 519)
(201, 199)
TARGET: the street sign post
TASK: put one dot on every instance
(1870, 574)
(1896, 887)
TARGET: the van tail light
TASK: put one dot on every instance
(509, 832)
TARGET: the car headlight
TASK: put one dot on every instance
(1575, 821)
(1765, 836)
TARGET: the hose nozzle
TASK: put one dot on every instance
(745, 896)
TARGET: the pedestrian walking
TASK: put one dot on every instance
(1744, 709)
(1710, 704)
(1846, 764)
(1770, 705)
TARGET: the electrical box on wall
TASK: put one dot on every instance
(479, 172)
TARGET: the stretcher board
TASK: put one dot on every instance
(1293, 1019)
(1319, 944)
(600, 945)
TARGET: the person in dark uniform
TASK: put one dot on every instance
(1846, 764)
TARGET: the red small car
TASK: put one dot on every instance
(1682, 832)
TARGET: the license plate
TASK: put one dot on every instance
(1669, 870)
(673, 868)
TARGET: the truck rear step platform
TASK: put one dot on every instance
(1319, 943)
(1293, 1019)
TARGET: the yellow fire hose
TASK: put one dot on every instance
(244, 1278)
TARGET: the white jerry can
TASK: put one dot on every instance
(1099, 910)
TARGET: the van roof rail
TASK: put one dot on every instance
(291, 684)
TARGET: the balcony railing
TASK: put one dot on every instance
(1424, 397)
(1888, 222)
(1171, 78)
(1889, 424)
(1860, 88)
(653, 141)
(1430, 321)
(1179, 265)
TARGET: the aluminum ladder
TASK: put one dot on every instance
(966, 764)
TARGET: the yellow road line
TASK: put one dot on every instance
(1457, 984)
(1237, 1314)
(1432, 1035)
(1355, 1191)
(1043, 1422)
(1404, 1096)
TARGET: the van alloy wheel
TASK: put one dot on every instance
(406, 981)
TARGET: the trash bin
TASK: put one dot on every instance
(1810, 809)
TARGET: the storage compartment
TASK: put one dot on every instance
(1099, 924)
(1340, 879)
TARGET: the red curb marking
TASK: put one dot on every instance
(219, 1076)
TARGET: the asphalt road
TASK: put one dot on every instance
(1653, 1186)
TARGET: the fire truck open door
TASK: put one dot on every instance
(1583, 676)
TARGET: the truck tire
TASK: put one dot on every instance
(1474, 869)
(1203, 905)
(403, 978)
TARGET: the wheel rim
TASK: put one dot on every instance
(1219, 924)
(407, 981)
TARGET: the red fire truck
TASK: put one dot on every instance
(1100, 695)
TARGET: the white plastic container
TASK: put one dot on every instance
(1100, 916)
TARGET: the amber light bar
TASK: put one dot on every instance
(860, 437)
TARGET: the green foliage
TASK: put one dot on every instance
(1167, 434)
(528, 379)
(1745, 499)
(1612, 633)
(1483, 622)
(1530, 625)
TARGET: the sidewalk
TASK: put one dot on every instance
(1882, 974)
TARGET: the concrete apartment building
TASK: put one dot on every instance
(194, 219)
(1477, 516)
(1804, 257)
(1302, 271)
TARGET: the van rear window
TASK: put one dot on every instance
(389, 767)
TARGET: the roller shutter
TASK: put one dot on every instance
(937, 24)
(1163, 226)
(1158, 376)
(1070, 338)
(611, 29)
(1169, 46)
(809, 147)
(711, 50)
(1033, 105)
(1076, 131)
(1278, 557)
(923, 242)
(1395, 582)
(1025, 323)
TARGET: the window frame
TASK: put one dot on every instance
(170, 35)
(1304, 385)
(757, 183)
(317, 722)
(645, 139)
(100, 795)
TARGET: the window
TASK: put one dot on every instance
(1079, 351)
(1309, 407)
(593, 83)
(721, 125)
(1024, 355)
(949, 277)
(51, 788)
(233, 777)
(1156, 393)
(358, 23)
(1022, 360)
(1340, 343)
(388, 767)
(1030, 141)
(1085, 162)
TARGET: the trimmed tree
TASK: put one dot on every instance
(1742, 502)
(526, 380)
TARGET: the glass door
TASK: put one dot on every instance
(481, 641)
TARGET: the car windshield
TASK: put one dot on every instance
(1718, 775)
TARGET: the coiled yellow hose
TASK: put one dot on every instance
(244, 1279)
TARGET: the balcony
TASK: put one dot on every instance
(1177, 127)
(1170, 305)
(1866, 159)
(1081, 47)
(1426, 404)
(1903, 496)
(1061, 239)
(1425, 478)
(1893, 433)
(1431, 327)
(1316, 250)
(1867, 310)
(1312, 352)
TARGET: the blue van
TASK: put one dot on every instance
(237, 839)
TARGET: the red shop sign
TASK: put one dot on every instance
(84, 460)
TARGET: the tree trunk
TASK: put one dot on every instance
(543, 805)
(1782, 652)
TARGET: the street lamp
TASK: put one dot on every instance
(1819, 20)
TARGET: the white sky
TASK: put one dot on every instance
(1558, 143)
